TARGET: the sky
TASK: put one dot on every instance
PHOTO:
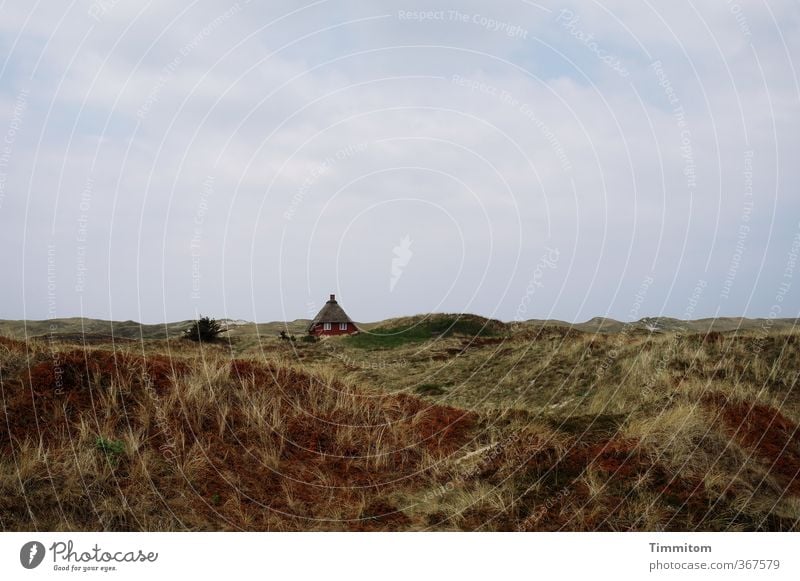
(515, 159)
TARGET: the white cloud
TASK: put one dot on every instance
(521, 151)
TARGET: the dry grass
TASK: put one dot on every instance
(565, 431)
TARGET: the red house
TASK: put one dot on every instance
(332, 320)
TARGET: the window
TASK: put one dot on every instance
(343, 326)
(326, 326)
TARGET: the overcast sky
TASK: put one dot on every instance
(513, 159)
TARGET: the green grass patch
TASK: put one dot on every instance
(430, 389)
(112, 449)
(416, 330)
(589, 425)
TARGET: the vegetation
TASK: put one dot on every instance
(430, 389)
(204, 330)
(419, 329)
(112, 449)
(527, 427)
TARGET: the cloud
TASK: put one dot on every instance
(331, 131)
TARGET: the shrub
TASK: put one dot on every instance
(112, 449)
(205, 330)
(430, 389)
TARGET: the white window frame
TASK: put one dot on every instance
(326, 326)
(343, 326)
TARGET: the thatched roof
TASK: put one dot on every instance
(330, 313)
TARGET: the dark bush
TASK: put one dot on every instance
(205, 330)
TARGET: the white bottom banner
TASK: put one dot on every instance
(380, 556)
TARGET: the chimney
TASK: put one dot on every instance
(333, 299)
